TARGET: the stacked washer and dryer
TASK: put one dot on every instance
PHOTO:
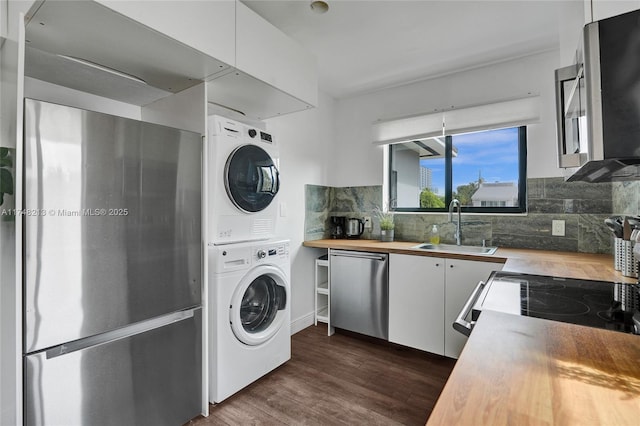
(249, 272)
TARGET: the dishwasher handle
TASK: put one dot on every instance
(461, 325)
(359, 254)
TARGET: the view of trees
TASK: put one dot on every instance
(429, 199)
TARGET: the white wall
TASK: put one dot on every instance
(357, 162)
(571, 20)
(304, 141)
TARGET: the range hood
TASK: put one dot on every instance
(598, 104)
(607, 171)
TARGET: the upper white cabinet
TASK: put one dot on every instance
(166, 47)
(87, 46)
(266, 55)
(208, 26)
(3, 19)
(601, 9)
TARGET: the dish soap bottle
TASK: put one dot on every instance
(434, 238)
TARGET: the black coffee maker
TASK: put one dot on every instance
(337, 226)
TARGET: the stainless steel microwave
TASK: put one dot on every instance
(598, 103)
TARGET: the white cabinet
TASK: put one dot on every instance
(425, 296)
(208, 26)
(3, 19)
(601, 9)
(416, 309)
(266, 53)
(462, 278)
(273, 75)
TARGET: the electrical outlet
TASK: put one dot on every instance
(557, 228)
(367, 222)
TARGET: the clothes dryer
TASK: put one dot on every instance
(243, 181)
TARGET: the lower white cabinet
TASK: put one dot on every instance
(425, 296)
(462, 278)
(416, 309)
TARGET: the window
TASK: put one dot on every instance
(485, 171)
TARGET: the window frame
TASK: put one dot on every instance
(522, 181)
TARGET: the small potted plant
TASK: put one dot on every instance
(386, 224)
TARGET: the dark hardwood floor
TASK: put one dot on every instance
(339, 380)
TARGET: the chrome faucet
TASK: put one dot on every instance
(458, 233)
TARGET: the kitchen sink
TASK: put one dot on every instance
(452, 248)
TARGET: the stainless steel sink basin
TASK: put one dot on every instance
(452, 248)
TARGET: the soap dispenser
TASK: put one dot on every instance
(434, 238)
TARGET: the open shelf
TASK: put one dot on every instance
(322, 315)
(323, 292)
(323, 288)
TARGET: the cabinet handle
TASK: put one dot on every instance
(450, 266)
(437, 264)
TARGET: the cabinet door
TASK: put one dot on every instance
(606, 8)
(266, 53)
(207, 26)
(462, 276)
(416, 311)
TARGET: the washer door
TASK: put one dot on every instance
(251, 178)
(257, 309)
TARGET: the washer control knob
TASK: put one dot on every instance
(262, 254)
(252, 133)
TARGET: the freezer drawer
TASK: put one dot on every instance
(150, 378)
(113, 222)
(360, 292)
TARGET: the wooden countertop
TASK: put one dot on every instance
(516, 370)
(541, 262)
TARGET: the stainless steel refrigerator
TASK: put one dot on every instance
(112, 272)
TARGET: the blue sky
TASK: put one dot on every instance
(492, 153)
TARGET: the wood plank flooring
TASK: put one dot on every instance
(344, 379)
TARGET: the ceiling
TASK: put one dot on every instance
(363, 46)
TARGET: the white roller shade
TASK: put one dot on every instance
(407, 129)
(497, 115)
(513, 113)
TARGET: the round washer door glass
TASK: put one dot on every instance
(251, 178)
(258, 307)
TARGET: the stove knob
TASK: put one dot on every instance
(252, 133)
(262, 254)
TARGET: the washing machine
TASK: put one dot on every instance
(249, 312)
(243, 182)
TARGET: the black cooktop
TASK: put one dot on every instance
(601, 304)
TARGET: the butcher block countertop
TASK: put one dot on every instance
(527, 371)
(541, 262)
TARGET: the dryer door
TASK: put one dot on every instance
(259, 305)
(251, 178)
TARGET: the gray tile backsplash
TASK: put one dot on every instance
(583, 207)
(626, 198)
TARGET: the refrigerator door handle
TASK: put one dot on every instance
(120, 333)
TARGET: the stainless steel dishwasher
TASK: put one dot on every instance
(360, 292)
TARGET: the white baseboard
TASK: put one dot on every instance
(302, 322)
